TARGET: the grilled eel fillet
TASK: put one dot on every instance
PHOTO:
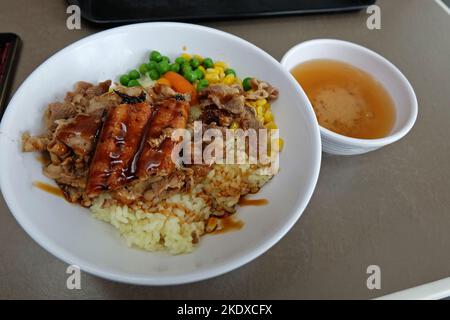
(135, 143)
(155, 157)
(117, 147)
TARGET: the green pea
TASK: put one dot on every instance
(153, 74)
(143, 68)
(124, 79)
(180, 60)
(195, 63)
(163, 67)
(166, 58)
(190, 76)
(133, 83)
(186, 67)
(199, 74)
(246, 84)
(230, 71)
(134, 74)
(208, 63)
(175, 67)
(202, 84)
(155, 56)
(152, 65)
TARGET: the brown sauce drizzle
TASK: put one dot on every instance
(252, 202)
(56, 191)
(227, 224)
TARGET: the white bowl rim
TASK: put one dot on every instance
(194, 276)
(403, 131)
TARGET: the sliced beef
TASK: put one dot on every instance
(229, 98)
(261, 90)
(79, 133)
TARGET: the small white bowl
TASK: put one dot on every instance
(381, 69)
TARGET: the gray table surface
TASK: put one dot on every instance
(389, 208)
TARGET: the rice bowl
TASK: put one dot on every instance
(110, 257)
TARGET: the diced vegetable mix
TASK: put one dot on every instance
(197, 70)
(191, 73)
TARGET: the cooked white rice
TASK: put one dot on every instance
(175, 224)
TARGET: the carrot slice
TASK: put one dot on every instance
(181, 85)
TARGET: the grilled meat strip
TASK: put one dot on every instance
(155, 157)
(79, 133)
(113, 162)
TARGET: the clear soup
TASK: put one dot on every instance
(346, 100)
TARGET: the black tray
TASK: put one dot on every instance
(132, 11)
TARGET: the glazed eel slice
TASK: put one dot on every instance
(117, 147)
(155, 156)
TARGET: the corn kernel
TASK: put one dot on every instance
(229, 79)
(202, 69)
(212, 71)
(221, 64)
(268, 116)
(271, 125)
(198, 57)
(260, 111)
(280, 144)
(260, 118)
(239, 81)
(234, 125)
(219, 68)
(276, 145)
(261, 102)
(186, 56)
(212, 78)
(267, 106)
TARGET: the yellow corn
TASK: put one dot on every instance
(229, 79)
(260, 118)
(199, 57)
(239, 81)
(219, 68)
(221, 64)
(251, 104)
(212, 78)
(280, 144)
(267, 106)
(260, 111)
(212, 71)
(268, 116)
(271, 125)
(186, 56)
(234, 125)
(261, 102)
(202, 69)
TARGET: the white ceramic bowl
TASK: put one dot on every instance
(381, 69)
(70, 233)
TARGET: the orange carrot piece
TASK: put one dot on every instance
(181, 85)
